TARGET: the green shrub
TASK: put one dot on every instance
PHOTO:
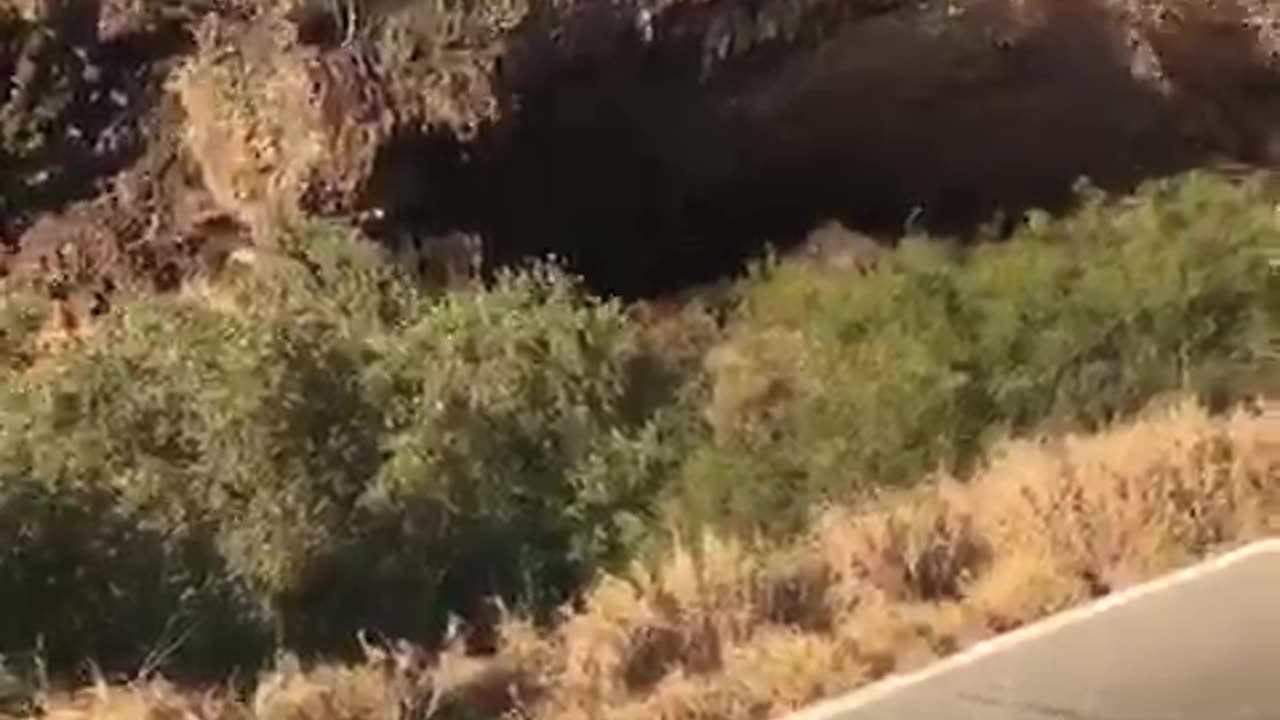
(85, 579)
(832, 385)
(326, 447)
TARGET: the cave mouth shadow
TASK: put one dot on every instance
(649, 175)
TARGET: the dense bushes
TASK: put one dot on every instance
(318, 446)
(830, 386)
(353, 454)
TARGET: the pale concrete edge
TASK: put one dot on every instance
(833, 708)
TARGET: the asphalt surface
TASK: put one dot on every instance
(1203, 644)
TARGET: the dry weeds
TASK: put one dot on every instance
(727, 629)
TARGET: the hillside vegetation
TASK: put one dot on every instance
(298, 421)
(723, 628)
(311, 444)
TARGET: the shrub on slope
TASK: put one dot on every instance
(315, 449)
(834, 384)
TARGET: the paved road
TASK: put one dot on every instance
(1203, 644)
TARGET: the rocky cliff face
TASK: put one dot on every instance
(654, 145)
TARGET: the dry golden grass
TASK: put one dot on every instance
(727, 629)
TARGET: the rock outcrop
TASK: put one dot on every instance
(653, 145)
